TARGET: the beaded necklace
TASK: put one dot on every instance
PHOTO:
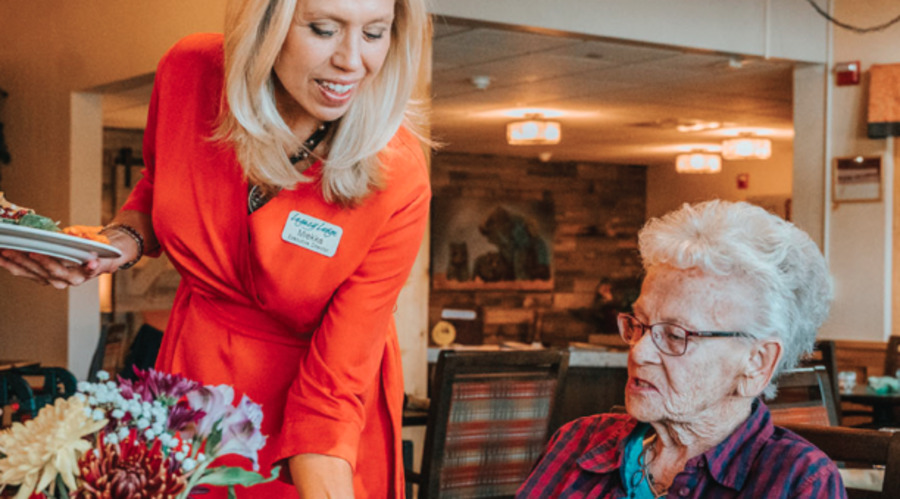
(257, 197)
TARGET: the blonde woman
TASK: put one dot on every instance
(285, 184)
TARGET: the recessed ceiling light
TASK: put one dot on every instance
(531, 111)
(699, 148)
(697, 126)
(736, 132)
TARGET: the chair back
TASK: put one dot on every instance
(824, 354)
(892, 359)
(33, 387)
(488, 421)
(804, 397)
(859, 448)
(108, 352)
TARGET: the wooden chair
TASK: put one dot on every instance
(804, 397)
(891, 364)
(824, 354)
(859, 448)
(488, 421)
(892, 359)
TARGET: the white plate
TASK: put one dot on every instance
(55, 244)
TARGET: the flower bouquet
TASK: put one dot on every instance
(154, 438)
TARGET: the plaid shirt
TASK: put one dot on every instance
(758, 460)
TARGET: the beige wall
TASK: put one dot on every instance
(859, 236)
(768, 179)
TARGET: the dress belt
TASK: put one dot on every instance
(248, 320)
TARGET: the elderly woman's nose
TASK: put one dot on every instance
(644, 350)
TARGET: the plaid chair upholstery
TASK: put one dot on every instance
(489, 421)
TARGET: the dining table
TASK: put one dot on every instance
(883, 404)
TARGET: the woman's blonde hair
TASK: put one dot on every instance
(254, 33)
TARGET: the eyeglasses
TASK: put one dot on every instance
(670, 339)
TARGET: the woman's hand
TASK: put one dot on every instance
(61, 274)
(47, 270)
(321, 476)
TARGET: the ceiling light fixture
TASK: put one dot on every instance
(746, 148)
(533, 131)
(698, 162)
(697, 126)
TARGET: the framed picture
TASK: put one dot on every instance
(491, 244)
(857, 179)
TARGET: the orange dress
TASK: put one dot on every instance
(308, 335)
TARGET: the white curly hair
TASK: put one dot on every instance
(780, 261)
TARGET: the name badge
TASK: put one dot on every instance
(311, 233)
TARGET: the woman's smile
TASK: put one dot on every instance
(335, 91)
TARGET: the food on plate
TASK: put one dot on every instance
(26, 217)
(91, 232)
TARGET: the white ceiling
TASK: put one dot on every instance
(620, 102)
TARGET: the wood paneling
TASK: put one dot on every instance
(598, 210)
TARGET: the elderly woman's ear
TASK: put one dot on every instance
(762, 359)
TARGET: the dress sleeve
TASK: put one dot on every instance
(141, 197)
(324, 413)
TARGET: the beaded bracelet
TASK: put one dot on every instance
(134, 234)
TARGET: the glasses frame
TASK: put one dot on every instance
(654, 337)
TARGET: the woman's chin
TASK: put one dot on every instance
(640, 408)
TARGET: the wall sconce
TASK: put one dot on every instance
(698, 162)
(746, 148)
(533, 131)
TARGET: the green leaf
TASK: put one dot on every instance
(215, 436)
(231, 493)
(230, 475)
(38, 222)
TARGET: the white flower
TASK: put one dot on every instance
(215, 402)
(46, 446)
(102, 375)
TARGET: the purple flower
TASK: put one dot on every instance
(241, 432)
(214, 402)
(152, 384)
(181, 415)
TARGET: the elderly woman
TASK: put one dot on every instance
(732, 297)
